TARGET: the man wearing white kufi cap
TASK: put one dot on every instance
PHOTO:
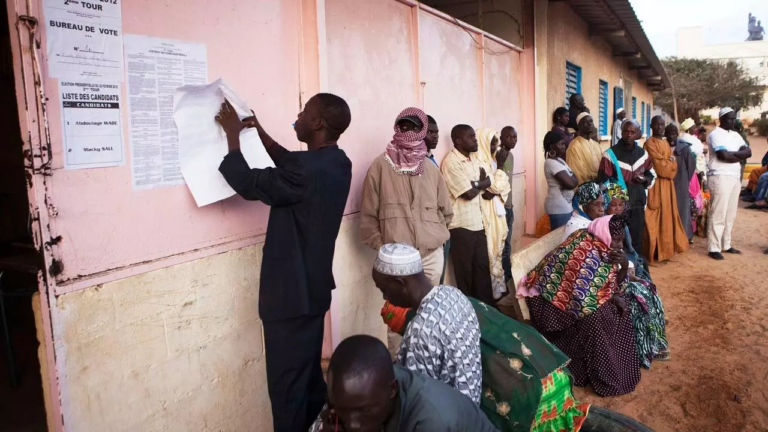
(726, 151)
(443, 338)
(688, 133)
(621, 114)
(583, 155)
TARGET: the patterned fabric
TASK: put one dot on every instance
(407, 150)
(587, 193)
(647, 314)
(575, 277)
(398, 259)
(614, 191)
(443, 341)
(559, 410)
(459, 172)
(523, 382)
(601, 346)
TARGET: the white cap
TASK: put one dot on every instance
(687, 124)
(620, 110)
(724, 111)
(581, 116)
(398, 259)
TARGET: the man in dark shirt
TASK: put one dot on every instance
(628, 164)
(307, 192)
(366, 393)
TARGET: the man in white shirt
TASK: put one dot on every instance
(621, 115)
(726, 151)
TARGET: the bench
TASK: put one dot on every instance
(523, 261)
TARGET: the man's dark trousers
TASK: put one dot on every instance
(506, 264)
(469, 255)
(293, 349)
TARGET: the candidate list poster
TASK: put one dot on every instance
(91, 124)
(84, 39)
(156, 67)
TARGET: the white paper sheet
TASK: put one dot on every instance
(84, 39)
(156, 67)
(203, 144)
(92, 124)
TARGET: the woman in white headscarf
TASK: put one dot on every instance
(494, 215)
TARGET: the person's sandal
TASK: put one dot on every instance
(716, 256)
(663, 356)
(733, 251)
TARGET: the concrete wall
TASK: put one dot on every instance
(562, 36)
(181, 349)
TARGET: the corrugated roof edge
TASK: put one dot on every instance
(623, 10)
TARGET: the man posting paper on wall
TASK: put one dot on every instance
(307, 192)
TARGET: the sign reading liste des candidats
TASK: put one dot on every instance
(91, 123)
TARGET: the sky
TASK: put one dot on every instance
(723, 21)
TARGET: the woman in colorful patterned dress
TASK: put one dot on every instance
(645, 305)
(575, 300)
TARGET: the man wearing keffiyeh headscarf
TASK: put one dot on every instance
(405, 199)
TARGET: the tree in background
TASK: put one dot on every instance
(702, 84)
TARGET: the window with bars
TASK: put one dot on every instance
(648, 113)
(572, 81)
(634, 108)
(603, 108)
(643, 124)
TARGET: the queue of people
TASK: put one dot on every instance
(463, 365)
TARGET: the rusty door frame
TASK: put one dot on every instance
(33, 122)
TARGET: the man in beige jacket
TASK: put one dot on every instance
(405, 199)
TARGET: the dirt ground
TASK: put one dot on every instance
(717, 379)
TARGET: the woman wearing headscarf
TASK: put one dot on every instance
(492, 207)
(560, 181)
(575, 301)
(616, 199)
(588, 205)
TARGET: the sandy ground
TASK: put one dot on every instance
(717, 379)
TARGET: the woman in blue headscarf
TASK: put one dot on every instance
(588, 205)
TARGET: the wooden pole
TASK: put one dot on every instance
(674, 102)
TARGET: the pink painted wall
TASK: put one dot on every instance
(370, 65)
(378, 52)
(104, 223)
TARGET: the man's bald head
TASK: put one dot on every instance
(361, 383)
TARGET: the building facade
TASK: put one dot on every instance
(148, 305)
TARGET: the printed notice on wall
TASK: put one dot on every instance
(84, 39)
(93, 134)
(156, 68)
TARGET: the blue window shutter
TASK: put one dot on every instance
(648, 128)
(618, 100)
(643, 125)
(603, 108)
(634, 108)
(572, 81)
